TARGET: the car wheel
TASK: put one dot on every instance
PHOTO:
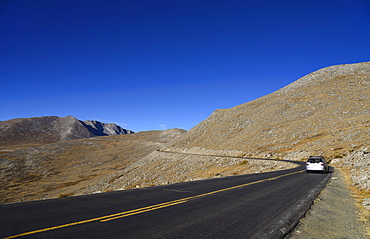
(307, 171)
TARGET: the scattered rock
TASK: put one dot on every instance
(366, 203)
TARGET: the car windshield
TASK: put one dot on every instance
(315, 160)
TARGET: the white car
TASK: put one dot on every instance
(317, 164)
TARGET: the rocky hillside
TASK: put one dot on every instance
(102, 129)
(52, 128)
(324, 113)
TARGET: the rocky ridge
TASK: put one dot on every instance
(102, 129)
(49, 129)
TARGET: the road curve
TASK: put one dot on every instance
(264, 205)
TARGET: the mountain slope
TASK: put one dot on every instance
(325, 112)
(52, 128)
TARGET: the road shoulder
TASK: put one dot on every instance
(332, 215)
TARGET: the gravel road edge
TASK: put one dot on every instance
(332, 215)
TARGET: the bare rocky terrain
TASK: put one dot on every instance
(324, 113)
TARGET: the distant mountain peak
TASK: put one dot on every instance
(103, 129)
(46, 129)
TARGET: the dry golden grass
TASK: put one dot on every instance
(64, 168)
(358, 194)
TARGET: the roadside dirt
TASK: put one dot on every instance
(332, 215)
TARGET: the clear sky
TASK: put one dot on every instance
(161, 64)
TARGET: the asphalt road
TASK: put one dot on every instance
(265, 205)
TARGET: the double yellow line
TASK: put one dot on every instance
(144, 209)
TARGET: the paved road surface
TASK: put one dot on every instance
(262, 205)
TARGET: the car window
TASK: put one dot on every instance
(315, 160)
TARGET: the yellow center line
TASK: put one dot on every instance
(141, 211)
(145, 209)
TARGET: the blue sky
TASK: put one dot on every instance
(161, 64)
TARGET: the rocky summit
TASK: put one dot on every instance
(52, 129)
(326, 113)
(102, 129)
